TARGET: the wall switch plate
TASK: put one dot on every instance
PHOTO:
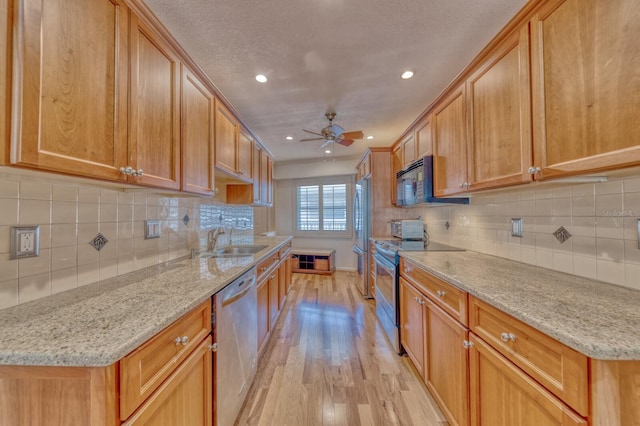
(516, 227)
(151, 229)
(25, 242)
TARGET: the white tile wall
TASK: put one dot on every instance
(602, 219)
(70, 215)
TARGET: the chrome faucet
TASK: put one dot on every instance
(212, 237)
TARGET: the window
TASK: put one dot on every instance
(323, 207)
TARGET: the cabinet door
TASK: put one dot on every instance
(257, 176)
(245, 156)
(282, 282)
(226, 135)
(412, 324)
(447, 367)
(449, 145)
(396, 166)
(424, 139)
(72, 80)
(264, 177)
(500, 116)
(5, 84)
(154, 119)
(263, 313)
(289, 270)
(408, 149)
(197, 135)
(502, 395)
(586, 86)
(185, 398)
(274, 299)
(269, 178)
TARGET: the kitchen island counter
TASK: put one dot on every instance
(597, 319)
(98, 324)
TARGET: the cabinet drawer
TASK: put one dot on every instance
(560, 369)
(143, 370)
(448, 297)
(266, 265)
(285, 251)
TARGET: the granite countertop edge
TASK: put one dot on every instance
(597, 319)
(45, 332)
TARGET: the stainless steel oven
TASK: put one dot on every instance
(386, 285)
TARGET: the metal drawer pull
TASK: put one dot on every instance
(213, 347)
(181, 340)
(441, 293)
(508, 337)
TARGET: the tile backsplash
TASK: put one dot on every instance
(70, 216)
(602, 219)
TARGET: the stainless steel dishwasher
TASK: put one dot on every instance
(236, 336)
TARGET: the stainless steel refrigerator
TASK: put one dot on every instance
(362, 232)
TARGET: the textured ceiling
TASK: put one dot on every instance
(339, 55)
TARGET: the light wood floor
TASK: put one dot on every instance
(329, 363)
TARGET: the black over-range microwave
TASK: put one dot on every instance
(414, 185)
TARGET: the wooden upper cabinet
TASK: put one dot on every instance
(586, 85)
(449, 145)
(73, 84)
(256, 160)
(424, 138)
(5, 84)
(269, 178)
(226, 135)
(154, 119)
(245, 155)
(499, 112)
(197, 135)
(408, 149)
(396, 166)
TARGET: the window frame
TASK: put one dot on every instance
(348, 180)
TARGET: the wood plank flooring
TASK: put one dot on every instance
(329, 363)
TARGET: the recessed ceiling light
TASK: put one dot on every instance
(289, 138)
(405, 75)
(370, 137)
(327, 151)
(262, 79)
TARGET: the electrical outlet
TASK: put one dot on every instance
(516, 227)
(25, 241)
(151, 229)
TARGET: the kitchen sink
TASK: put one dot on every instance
(241, 250)
(235, 251)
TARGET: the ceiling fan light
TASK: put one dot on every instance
(407, 75)
(289, 138)
(370, 137)
(261, 78)
(327, 151)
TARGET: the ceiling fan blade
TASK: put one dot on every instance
(345, 142)
(311, 139)
(313, 133)
(336, 130)
(327, 142)
(353, 135)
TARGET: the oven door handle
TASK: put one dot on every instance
(386, 264)
(385, 251)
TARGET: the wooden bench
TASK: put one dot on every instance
(313, 261)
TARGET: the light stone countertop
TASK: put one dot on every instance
(98, 324)
(597, 319)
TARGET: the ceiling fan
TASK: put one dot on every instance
(334, 133)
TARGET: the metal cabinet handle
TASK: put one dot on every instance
(506, 337)
(181, 340)
(534, 170)
(467, 344)
(441, 293)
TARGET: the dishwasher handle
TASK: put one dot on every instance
(229, 299)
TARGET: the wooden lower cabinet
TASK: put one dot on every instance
(446, 369)
(412, 324)
(263, 314)
(185, 398)
(274, 299)
(284, 280)
(501, 394)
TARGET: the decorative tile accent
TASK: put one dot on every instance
(186, 219)
(562, 234)
(99, 241)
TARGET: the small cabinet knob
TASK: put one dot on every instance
(508, 337)
(213, 347)
(534, 170)
(467, 344)
(181, 340)
(441, 293)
